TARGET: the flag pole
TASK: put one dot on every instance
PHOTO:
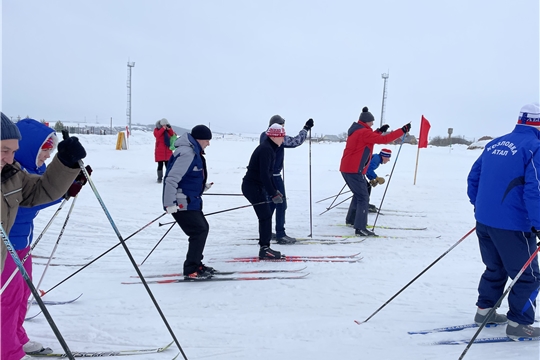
(416, 167)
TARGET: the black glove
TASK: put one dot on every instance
(79, 182)
(537, 232)
(168, 126)
(309, 124)
(70, 151)
(383, 129)
(406, 128)
(278, 198)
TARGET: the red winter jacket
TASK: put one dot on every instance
(359, 147)
(162, 151)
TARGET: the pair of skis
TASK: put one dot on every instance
(110, 353)
(484, 340)
(249, 275)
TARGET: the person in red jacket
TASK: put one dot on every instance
(163, 133)
(355, 163)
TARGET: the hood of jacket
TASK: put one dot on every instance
(355, 126)
(34, 134)
(186, 140)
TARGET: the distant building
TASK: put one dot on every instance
(330, 138)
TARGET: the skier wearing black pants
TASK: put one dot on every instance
(258, 187)
(184, 183)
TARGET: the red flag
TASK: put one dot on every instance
(424, 130)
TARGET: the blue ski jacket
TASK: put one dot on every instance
(34, 134)
(373, 165)
(504, 182)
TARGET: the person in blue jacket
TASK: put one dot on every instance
(373, 179)
(289, 142)
(183, 186)
(37, 144)
(504, 188)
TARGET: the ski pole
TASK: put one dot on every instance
(333, 201)
(417, 276)
(222, 211)
(310, 191)
(26, 277)
(328, 209)
(130, 256)
(151, 251)
(494, 308)
(32, 247)
(388, 183)
(53, 251)
(224, 194)
(103, 254)
(333, 196)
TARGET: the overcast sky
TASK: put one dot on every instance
(465, 64)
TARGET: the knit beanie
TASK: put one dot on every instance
(386, 153)
(366, 116)
(528, 115)
(275, 130)
(201, 132)
(276, 119)
(9, 130)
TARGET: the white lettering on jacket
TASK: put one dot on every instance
(510, 145)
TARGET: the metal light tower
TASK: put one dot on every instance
(385, 76)
(128, 111)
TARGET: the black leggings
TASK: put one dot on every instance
(160, 165)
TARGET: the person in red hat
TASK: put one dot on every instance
(259, 189)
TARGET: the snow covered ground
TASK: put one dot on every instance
(312, 318)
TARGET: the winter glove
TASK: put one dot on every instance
(79, 182)
(537, 232)
(378, 180)
(207, 186)
(278, 198)
(70, 151)
(406, 128)
(383, 129)
(172, 209)
(309, 124)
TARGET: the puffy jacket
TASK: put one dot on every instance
(34, 134)
(162, 151)
(504, 182)
(185, 178)
(22, 189)
(373, 165)
(359, 147)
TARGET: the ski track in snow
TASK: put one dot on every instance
(312, 318)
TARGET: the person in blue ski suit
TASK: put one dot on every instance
(289, 142)
(183, 186)
(37, 144)
(504, 188)
(373, 179)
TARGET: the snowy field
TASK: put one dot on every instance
(311, 318)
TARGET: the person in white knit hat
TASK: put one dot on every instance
(504, 188)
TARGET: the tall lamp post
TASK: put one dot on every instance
(385, 77)
(128, 111)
